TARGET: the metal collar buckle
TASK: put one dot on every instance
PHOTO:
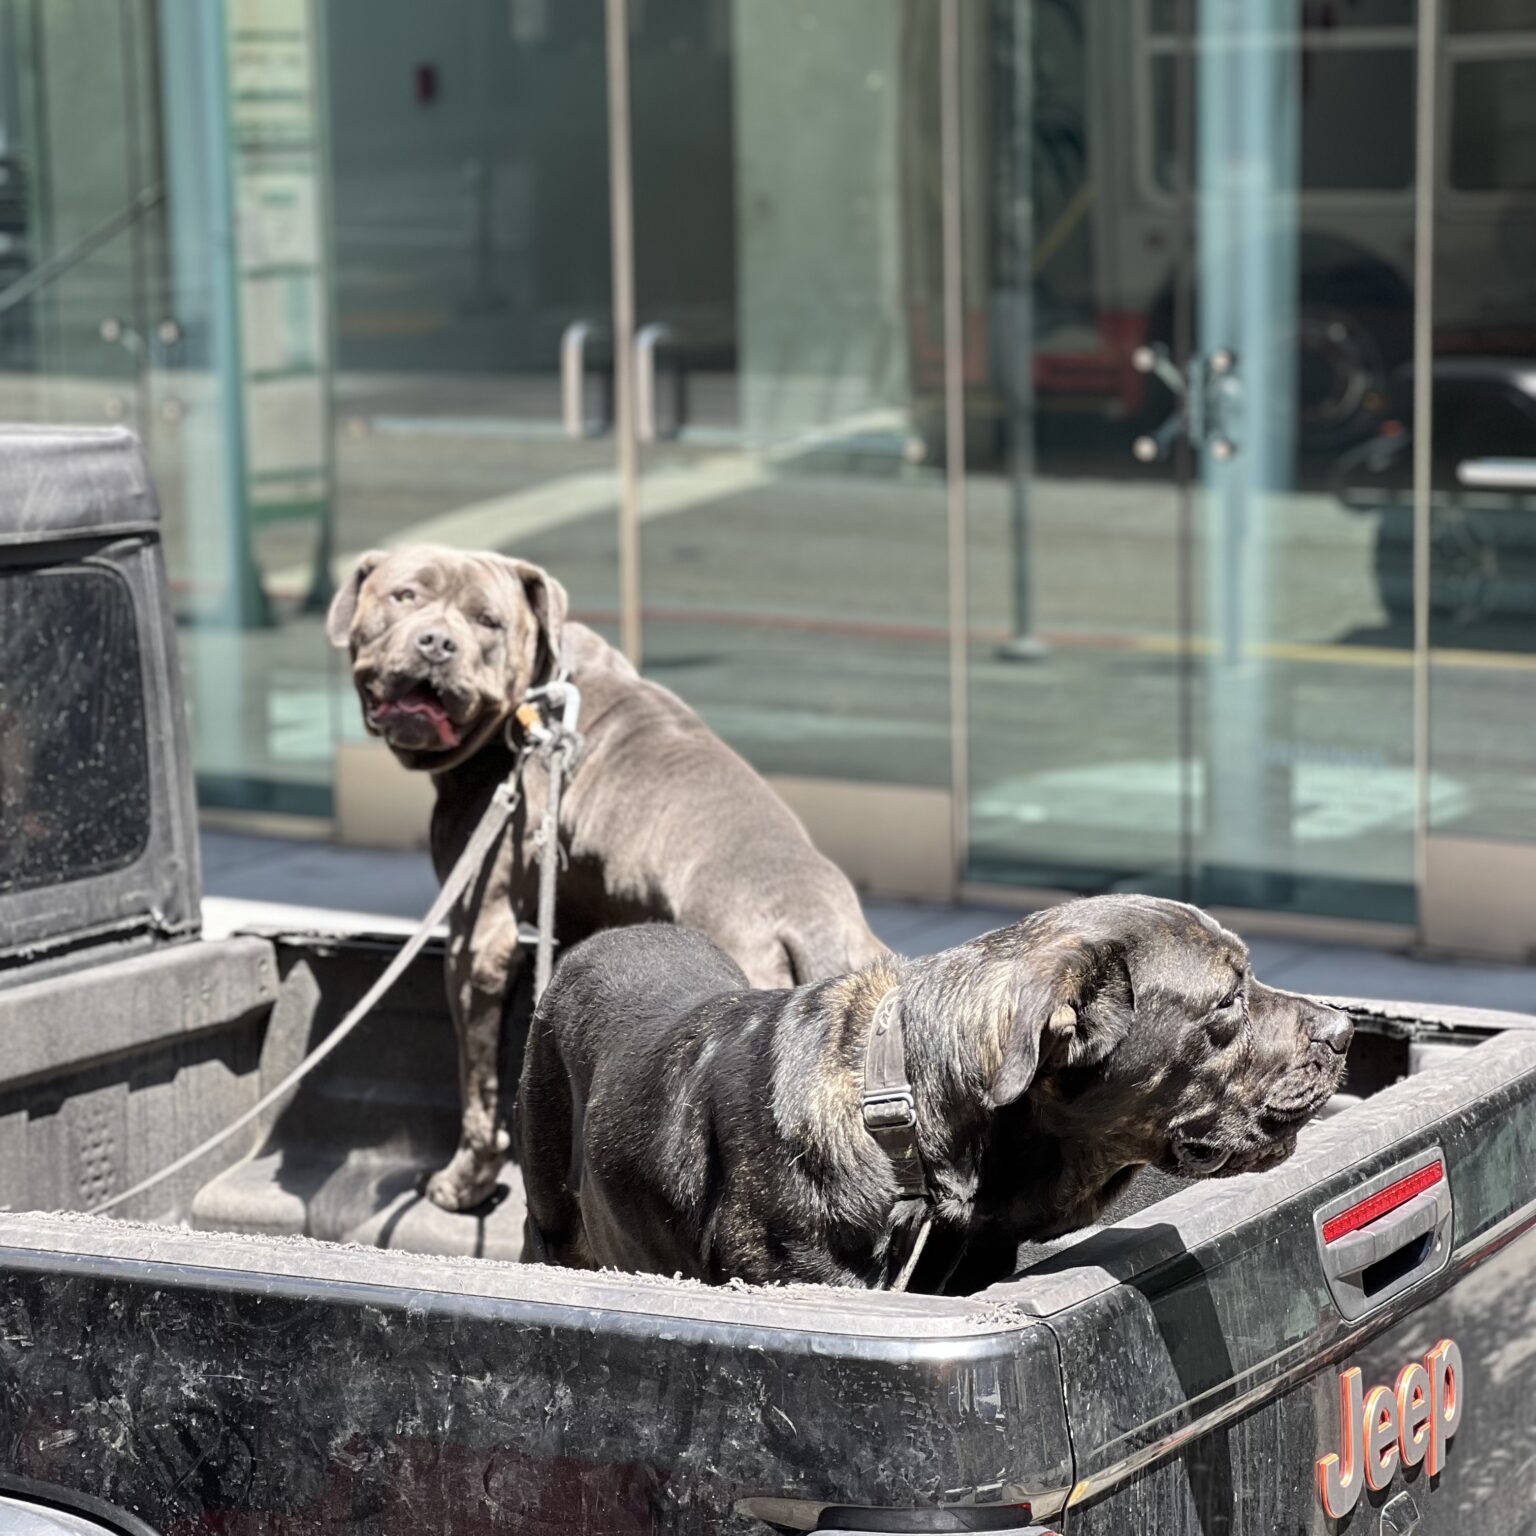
(890, 1109)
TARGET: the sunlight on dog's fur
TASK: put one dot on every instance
(660, 820)
(674, 1120)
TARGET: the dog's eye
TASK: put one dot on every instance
(489, 621)
(1225, 1021)
(404, 595)
(1236, 995)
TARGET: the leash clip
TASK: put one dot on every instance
(551, 727)
(563, 699)
(547, 717)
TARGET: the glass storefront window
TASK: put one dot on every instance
(162, 265)
(792, 496)
(1209, 693)
(350, 271)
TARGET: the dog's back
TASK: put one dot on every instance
(610, 998)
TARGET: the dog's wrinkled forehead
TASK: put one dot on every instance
(1167, 944)
(429, 576)
(1191, 953)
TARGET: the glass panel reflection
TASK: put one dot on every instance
(1307, 787)
(1482, 697)
(1220, 702)
(1078, 766)
(792, 496)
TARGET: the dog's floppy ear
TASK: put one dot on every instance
(546, 597)
(338, 622)
(1072, 1011)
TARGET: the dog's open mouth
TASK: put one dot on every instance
(419, 712)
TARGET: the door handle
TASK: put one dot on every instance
(573, 381)
(1205, 395)
(1386, 1234)
(647, 339)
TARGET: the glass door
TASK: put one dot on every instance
(1480, 512)
(473, 281)
(80, 201)
(789, 358)
(1186, 673)
(1077, 270)
(473, 287)
(1304, 781)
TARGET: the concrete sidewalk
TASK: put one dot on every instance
(263, 881)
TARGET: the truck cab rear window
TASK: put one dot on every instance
(74, 769)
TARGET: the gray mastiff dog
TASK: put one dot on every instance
(660, 820)
(672, 1119)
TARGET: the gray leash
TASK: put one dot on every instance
(918, 1244)
(502, 805)
(559, 745)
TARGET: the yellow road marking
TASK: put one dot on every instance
(1357, 655)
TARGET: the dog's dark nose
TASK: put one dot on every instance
(436, 645)
(1330, 1027)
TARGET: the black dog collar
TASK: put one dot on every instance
(890, 1114)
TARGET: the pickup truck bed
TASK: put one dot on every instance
(213, 1368)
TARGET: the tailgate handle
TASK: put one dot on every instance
(1384, 1237)
(1378, 1240)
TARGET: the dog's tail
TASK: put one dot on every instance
(547, 1132)
(814, 954)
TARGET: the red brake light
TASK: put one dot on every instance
(1373, 1207)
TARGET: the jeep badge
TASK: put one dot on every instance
(1405, 1424)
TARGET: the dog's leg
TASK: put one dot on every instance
(481, 969)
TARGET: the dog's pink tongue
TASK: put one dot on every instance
(423, 704)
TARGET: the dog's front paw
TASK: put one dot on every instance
(469, 1180)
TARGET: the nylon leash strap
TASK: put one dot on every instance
(553, 735)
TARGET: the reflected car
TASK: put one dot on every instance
(1483, 488)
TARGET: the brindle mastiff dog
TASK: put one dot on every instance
(659, 820)
(671, 1119)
